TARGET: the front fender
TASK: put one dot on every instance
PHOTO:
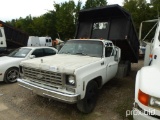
(6, 66)
(137, 85)
(148, 81)
(88, 73)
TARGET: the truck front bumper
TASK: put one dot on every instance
(140, 113)
(67, 98)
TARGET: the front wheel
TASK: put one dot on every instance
(11, 75)
(88, 103)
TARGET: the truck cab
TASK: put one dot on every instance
(11, 38)
(147, 96)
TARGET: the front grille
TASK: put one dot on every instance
(44, 77)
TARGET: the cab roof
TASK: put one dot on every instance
(93, 40)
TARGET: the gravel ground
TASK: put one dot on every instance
(117, 96)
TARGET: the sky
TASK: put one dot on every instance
(14, 9)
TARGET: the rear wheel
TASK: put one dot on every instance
(88, 103)
(11, 75)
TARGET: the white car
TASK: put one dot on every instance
(9, 64)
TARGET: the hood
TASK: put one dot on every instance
(6, 59)
(60, 63)
(150, 81)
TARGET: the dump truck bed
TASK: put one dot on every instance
(111, 22)
(14, 37)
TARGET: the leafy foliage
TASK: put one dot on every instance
(141, 11)
(94, 3)
(65, 19)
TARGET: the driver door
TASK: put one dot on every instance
(111, 64)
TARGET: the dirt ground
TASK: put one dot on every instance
(117, 96)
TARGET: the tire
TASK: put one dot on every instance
(11, 75)
(88, 103)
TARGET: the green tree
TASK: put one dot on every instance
(155, 7)
(138, 10)
(45, 25)
(141, 11)
(132, 7)
(66, 15)
(37, 26)
(94, 3)
(78, 8)
(23, 24)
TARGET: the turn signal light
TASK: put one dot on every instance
(150, 55)
(143, 98)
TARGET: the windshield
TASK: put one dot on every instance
(21, 52)
(83, 47)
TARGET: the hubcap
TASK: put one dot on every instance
(12, 75)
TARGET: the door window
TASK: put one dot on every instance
(38, 53)
(108, 51)
(48, 51)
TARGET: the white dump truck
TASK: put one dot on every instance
(82, 66)
(3, 44)
(147, 87)
(11, 38)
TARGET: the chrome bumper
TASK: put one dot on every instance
(67, 98)
(141, 114)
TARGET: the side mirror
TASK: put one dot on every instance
(117, 54)
(32, 56)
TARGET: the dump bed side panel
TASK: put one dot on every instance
(14, 37)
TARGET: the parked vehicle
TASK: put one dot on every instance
(9, 64)
(11, 38)
(82, 66)
(45, 41)
(147, 95)
(33, 41)
(2, 40)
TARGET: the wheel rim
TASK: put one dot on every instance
(12, 75)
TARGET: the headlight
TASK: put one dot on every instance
(155, 102)
(70, 80)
